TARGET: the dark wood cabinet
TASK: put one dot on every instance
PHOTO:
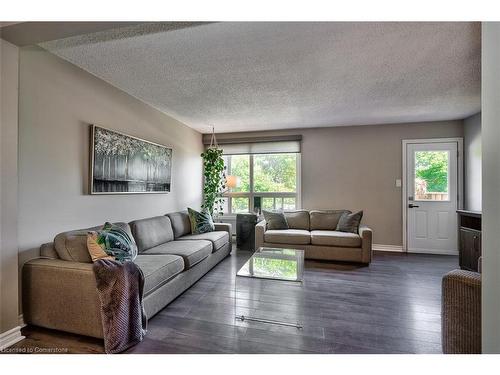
(469, 239)
(245, 231)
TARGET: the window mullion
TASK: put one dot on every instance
(229, 198)
(250, 198)
(298, 180)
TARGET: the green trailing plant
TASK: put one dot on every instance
(214, 172)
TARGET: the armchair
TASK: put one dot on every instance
(461, 312)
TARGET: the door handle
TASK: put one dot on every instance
(412, 205)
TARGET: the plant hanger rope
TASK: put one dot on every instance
(213, 139)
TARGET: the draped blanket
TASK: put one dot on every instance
(120, 288)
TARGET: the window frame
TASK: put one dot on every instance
(252, 194)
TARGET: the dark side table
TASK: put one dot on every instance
(469, 239)
(245, 231)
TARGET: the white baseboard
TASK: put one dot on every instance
(399, 249)
(394, 248)
(10, 337)
(22, 324)
(433, 251)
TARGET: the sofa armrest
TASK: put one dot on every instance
(366, 243)
(260, 230)
(47, 250)
(226, 227)
(461, 312)
(61, 294)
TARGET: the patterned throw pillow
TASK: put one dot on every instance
(275, 220)
(114, 242)
(349, 222)
(95, 250)
(201, 222)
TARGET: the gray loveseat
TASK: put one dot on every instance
(314, 232)
(59, 289)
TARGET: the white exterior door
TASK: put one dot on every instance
(432, 197)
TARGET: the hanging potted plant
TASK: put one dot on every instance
(214, 172)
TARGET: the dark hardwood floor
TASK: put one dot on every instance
(393, 306)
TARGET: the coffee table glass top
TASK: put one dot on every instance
(275, 264)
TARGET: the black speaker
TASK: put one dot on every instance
(245, 231)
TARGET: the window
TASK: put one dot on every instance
(431, 175)
(266, 181)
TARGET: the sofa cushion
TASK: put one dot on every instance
(349, 222)
(72, 245)
(335, 238)
(158, 269)
(152, 232)
(47, 250)
(191, 251)
(289, 236)
(298, 219)
(180, 223)
(217, 238)
(325, 219)
(275, 220)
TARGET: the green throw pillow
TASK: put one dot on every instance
(275, 220)
(114, 241)
(201, 222)
(349, 222)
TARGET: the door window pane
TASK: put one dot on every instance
(431, 175)
(275, 172)
(240, 205)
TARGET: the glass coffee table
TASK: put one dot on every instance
(269, 287)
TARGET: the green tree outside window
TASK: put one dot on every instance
(432, 167)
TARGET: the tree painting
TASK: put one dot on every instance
(126, 164)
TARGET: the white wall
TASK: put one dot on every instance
(472, 163)
(58, 101)
(9, 62)
(491, 187)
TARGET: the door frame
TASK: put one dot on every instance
(460, 177)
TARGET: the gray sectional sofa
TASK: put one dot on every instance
(314, 232)
(59, 288)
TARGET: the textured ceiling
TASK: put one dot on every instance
(260, 76)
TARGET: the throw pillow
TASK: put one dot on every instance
(95, 250)
(201, 222)
(275, 220)
(349, 222)
(114, 242)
